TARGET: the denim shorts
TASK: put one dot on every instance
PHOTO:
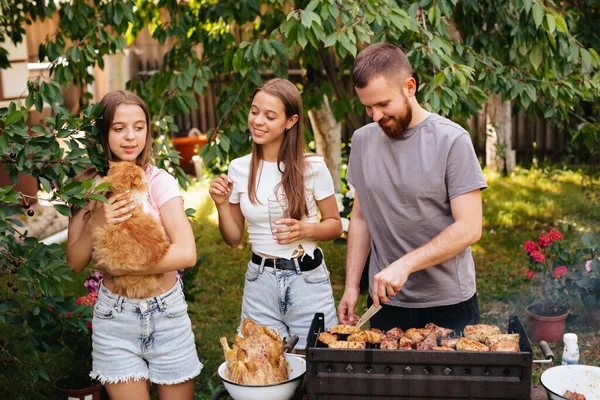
(288, 300)
(143, 339)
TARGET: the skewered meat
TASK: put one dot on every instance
(327, 337)
(414, 335)
(256, 358)
(389, 343)
(468, 344)
(428, 343)
(442, 348)
(344, 329)
(503, 342)
(342, 344)
(406, 343)
(481, 332)
(395, 333)
(448, 342)
(438, 330)
(373, 336)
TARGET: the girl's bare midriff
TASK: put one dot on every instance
(167, 283)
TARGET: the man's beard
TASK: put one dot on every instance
(399, 125)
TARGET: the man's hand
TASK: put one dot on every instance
(346, 307)
(388, 282)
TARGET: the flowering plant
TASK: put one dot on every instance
(587, 282)
(549, 273)
(77, 336)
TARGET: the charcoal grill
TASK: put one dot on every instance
(333, 374)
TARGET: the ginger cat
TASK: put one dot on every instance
(136, 244)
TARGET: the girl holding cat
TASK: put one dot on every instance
(287, 280)
(137, 341)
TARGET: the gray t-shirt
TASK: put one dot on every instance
(404, 187)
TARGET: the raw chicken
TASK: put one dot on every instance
(256, 358)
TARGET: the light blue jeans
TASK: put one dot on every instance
(288, 300)
(143, 338)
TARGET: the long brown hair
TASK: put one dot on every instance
(291, 154)
(110, 102)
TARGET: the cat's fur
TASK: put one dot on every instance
(136, 244)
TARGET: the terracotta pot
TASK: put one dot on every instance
(187, 148)
(90, 393)
(545, 328)
(26, 184)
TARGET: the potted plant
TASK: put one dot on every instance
(549, 275)
(587, 282)
(77, 326)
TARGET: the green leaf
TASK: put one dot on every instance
(551, 23)
(536, 56)
(97, 197)
(561, 25)
(538, 14)
(46, 184)
(587, 59)
(530, 90)
(64, 210)
(439, 79)
(595, 55)
(102, 187)
(306, 19)
(12, 118)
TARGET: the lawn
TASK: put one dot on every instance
(516, 209)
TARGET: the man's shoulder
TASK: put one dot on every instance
(369, 129)
(443, 126)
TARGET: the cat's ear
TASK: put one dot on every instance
(137, 181)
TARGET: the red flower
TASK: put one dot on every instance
(538, 256)
(69, 314)
(529, 274)
(555, 235)
(559, 271)
(89, 325)
(88, 300)
(545, 240)
(530, 246)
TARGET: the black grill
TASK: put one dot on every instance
(334, 374)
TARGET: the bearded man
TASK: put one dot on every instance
(417, 204)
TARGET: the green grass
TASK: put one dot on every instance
(516, 208)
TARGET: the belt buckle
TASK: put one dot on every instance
(275, 266)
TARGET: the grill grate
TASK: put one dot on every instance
(334, 374)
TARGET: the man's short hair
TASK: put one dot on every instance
(380, 59)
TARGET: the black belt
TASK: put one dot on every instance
(306, 263)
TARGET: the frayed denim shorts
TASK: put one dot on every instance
(135, 339)
(288, 300)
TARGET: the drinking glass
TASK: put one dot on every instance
(278, 209)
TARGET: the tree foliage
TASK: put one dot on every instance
(536, 53)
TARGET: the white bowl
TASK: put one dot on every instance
(277, 391)
(583, 379)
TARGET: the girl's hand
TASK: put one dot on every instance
(220, 189)
(293, 231)
(116, 211)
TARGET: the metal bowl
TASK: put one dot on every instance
(583, 379)
(277, 391)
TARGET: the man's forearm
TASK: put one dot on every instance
(445, 246)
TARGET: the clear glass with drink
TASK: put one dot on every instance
(278, 209)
